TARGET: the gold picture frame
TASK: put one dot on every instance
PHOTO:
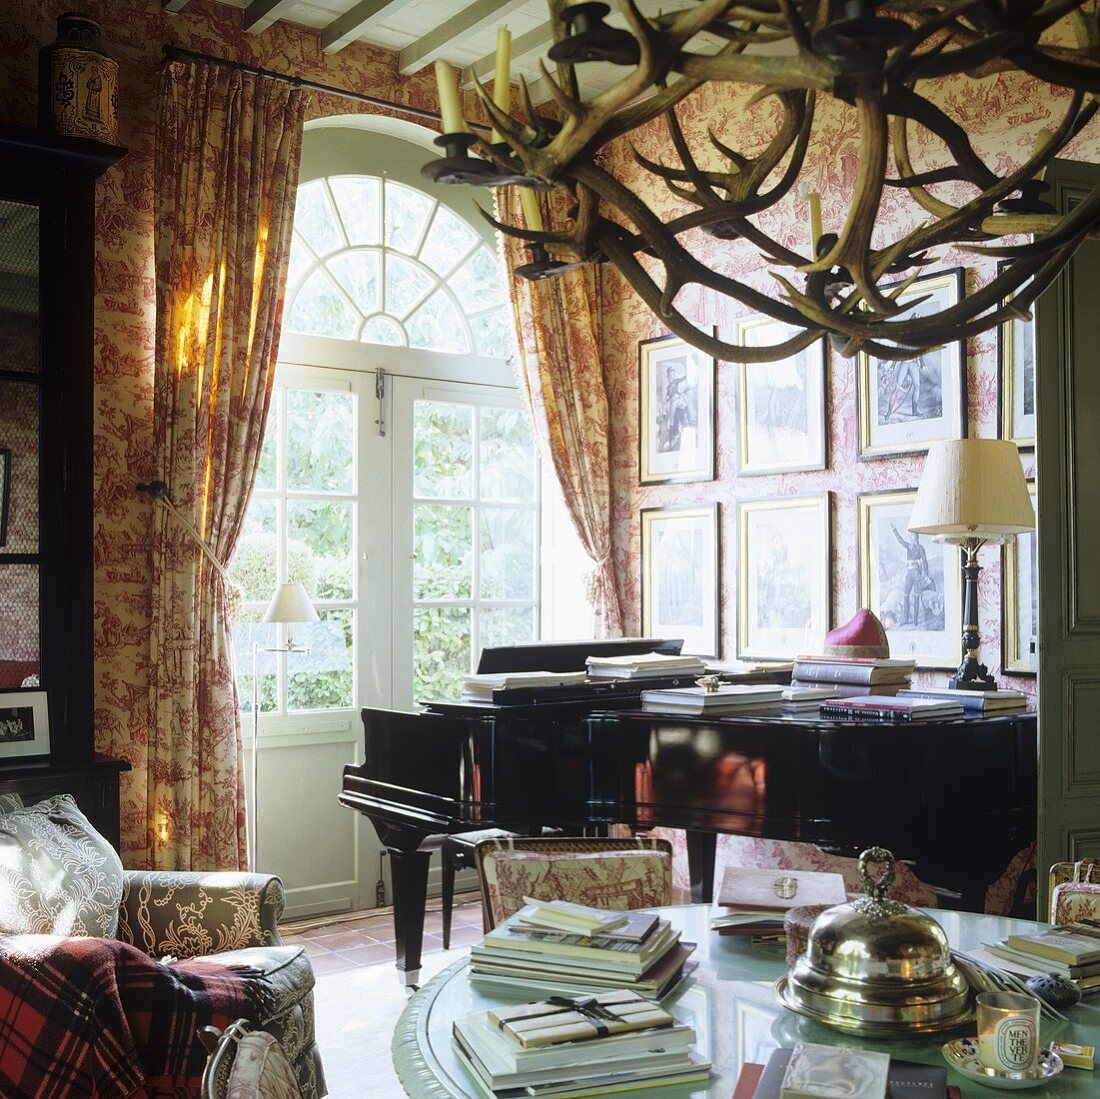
(1016, 355)
(780, 405)
(913, 585)
(1019, 598)
(680, 576)
(905, 406)
(675, 412)
(784, 575)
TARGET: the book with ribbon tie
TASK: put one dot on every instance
(572, 1019)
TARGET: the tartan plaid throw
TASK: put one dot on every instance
(98, 1018)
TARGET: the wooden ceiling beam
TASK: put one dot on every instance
(472, 19)
(260, 14)
(534, 41)
(349, 26)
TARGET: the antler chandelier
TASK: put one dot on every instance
(882, 65)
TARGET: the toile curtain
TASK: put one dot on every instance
(558, 335)
(228, 145)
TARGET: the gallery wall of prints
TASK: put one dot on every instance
(820, 432)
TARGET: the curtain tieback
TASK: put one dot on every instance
(158, 490)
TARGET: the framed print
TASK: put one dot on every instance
(24, 725)
(905, 406)
(784, 569)
(1020, 622)
(780, 405)
(676, 410)
(1016, 346)
(5, 492)
(913, 584)
(680, 576)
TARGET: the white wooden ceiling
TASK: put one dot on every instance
(461, 32)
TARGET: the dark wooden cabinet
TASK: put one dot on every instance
(47, 249)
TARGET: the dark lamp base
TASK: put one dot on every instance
(972, 676)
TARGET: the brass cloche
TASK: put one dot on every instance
(877, 966)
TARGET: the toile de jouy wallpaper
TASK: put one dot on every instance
(1008, 112)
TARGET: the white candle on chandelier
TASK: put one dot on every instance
(502, 88)
(814, 200)
(532, 216)
(449, 106)
(1042, 140)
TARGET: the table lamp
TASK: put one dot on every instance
(972, 491)
(289, 605)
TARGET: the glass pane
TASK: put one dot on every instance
(507, 455)
(322, 679)
(443, 447)
(383, 330)
(319, 547)
(506, 625)
(251, 629)
(406, 284)
(507, 553)
(255, 565)
(357, 272)
(320, 440)
(19, 287)
(313, 218)
(319, 309)
(300, 259)
(407, 213)
(478, 283)
(442, 552)
(357, 199)
(19, 631)
(449, 239)
(19, 443)
(267, 474)
(493, 333)
(441, 651)
(437, 326)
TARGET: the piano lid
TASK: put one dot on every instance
(568, 656)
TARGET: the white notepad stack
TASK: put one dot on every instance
(644, 666)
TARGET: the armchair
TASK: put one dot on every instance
(58, 877)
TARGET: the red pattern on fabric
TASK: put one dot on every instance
(97, 1017)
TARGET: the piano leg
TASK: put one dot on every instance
(701, 848)
(409, 870)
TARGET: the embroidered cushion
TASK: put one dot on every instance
(261, 1070)
(10, 802)
(58, 876)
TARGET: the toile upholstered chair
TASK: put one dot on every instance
(1075, 891)
(59, 877)
(602, 873)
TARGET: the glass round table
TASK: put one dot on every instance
(730, 1003)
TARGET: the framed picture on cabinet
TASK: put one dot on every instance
(5, 492)
(1020, 623)
(1016, 395)
(907, 405)
(784, 598)
(780, 405)
(680, 576)
(24, 725)
(912, 583)
(676, 412)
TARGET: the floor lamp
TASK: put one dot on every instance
(972, 491)
(290, 604)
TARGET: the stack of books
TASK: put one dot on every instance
(753, 900)
(1071, 950)
(589, 1046)
(584, 950)
(480, 687)
(806, 700)
(891, 708)
(973, 702)
(644, 666)
(851, 676)
(730, 698)
(903, 1079)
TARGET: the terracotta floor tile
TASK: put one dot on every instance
(331, 963)
(338, 939)
(464, 935)
(368, 954)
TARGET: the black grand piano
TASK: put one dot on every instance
(956, 799)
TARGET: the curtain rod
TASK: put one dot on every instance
(173, 53)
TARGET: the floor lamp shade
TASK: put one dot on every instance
(291, 604)
(973, 488)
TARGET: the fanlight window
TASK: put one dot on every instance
(382, 262)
